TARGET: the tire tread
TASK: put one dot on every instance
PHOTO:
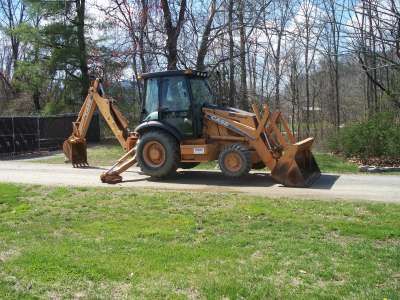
(245, 154)
(172, 154)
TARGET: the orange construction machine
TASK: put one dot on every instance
(181, 127)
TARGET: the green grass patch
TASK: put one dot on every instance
(125, 243)
(334, 164)
(99, 155)
(10, 196)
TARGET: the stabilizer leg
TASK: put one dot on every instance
(112, 176)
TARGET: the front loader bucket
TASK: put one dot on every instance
(75, 151)
(297, 166)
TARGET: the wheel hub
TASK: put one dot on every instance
(233, 162)
(154, 154)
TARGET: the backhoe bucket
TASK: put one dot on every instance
(75, 150)
(297, 166)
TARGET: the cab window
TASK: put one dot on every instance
(201, 91)
(151, 100)
(175, 96)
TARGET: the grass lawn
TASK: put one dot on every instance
(99, 155)
(124, 243)
(330, 163)
(104, 155)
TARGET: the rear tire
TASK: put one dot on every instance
(157, 154)
(235, 160)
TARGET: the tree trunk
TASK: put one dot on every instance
(278, 72)
(307, 68)
(172, 52)
(337, 96)
(333, 57)
(231, 62)
(293, 91)
(80, 25)
(201, 54)
(172, 33)
(244, 104)
(36, 99)
(263, 75)
(143, 26)
(307, 95)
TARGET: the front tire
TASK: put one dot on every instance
(158, 154)
(235, 160)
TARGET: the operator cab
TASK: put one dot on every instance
(176, 98)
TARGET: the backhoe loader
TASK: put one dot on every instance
(75, 146)
(181, 128)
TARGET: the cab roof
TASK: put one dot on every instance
(187, 72)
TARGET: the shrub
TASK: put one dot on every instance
(377, 136)
(53, 108)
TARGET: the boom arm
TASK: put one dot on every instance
(75, 146)
(114, 118)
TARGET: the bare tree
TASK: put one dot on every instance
(133, 17)
(231, 55)
(205, 39)
(83, 60)
(310, 34)
(172, 32)
(374, 32)
(12, 14)
(334, 22)
(275, 30)
(244, 104)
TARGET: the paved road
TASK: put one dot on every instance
(330, 186)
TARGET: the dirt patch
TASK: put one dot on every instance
(120, 291)
(379, 244)
(190, 293)
(8, 254)
(53, 295)
(377, 161)
(341, 239)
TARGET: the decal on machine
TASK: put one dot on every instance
(199, 150)
(228, 125)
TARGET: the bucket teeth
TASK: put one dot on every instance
(80, 165)
(75, 150)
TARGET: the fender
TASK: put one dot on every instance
(145, 126)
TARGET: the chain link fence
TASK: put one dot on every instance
(19, 135)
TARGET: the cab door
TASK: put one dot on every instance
(201, 95)
(175, 107)
(151, 100)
